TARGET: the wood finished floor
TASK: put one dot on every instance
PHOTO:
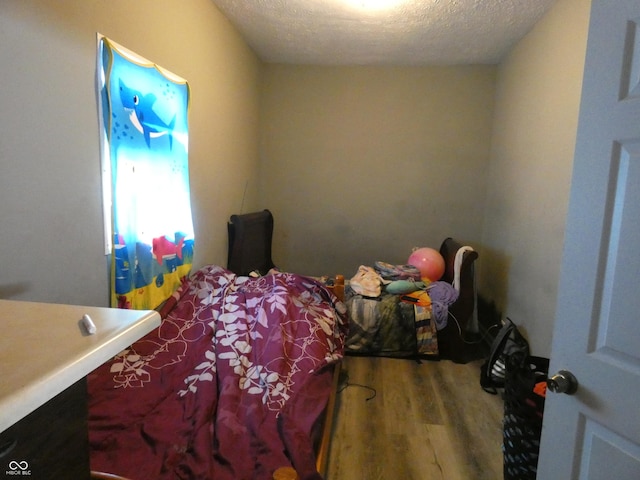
(428, 421)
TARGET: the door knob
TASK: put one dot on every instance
(563, 382)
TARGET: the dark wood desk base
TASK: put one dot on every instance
(52, 442)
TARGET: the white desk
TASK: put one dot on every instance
(44, 349)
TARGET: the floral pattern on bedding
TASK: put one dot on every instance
(206, 395)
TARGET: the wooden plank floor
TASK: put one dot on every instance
(427, 421)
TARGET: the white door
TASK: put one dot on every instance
(595, 434)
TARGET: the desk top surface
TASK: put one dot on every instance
(45, 348)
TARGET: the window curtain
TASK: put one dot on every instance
(145, 169)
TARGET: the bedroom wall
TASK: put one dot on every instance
(535, 123)
(360, 164)
(51, 238)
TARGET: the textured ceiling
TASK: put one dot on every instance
(411, 32)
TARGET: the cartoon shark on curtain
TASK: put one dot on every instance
(144, 114)
(143, 117)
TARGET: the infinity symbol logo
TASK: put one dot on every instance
(13, 465)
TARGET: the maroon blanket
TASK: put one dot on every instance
(228, 387)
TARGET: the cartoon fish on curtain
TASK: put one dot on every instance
(144, 111)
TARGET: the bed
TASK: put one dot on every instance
(237, 383)
(385, 325)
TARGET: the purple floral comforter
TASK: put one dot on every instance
(230, 386)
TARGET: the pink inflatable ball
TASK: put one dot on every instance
(429, 262)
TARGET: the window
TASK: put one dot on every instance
(147, 209)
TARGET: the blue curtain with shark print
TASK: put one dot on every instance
(145, 159)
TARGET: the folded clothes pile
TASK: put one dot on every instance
(366, 282)
(396, 279)
(397, 272)
(405, 281)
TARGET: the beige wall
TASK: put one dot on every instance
(51, 239)
(361, 164)
(536, 114)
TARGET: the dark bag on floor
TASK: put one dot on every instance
(508, 342)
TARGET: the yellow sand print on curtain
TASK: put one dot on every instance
(144, 111)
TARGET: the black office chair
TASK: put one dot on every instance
(451, 342)
(250, 243)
